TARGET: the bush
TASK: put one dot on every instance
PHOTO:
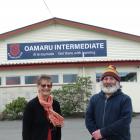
(74, 97)
(14, 110)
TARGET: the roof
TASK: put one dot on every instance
(73, 62)
(71, 24)
(70, 64)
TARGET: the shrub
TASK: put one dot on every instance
(74, 97)
(14, 110)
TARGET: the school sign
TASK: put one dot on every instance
(64, 49)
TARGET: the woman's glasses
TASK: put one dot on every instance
(46, 85)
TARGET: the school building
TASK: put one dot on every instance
(66, 49)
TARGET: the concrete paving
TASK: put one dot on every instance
(74, 129)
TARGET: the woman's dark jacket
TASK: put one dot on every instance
(36, 124)
(112, 116)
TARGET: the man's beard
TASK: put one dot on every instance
(110, 89)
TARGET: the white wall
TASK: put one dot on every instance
(117, 48)
(8, 93)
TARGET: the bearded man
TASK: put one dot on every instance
(108, 115)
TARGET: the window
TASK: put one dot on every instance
(31, 79)
(98, 77)
(69, 78)
(125, 76)
(128, 76)
(54, 78)
(13, 80)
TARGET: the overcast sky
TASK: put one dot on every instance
(119, 15)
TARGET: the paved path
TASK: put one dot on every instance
(74, 129)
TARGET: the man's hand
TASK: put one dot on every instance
(97, 134)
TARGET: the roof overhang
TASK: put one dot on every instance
(70, 64)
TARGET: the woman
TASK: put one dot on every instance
(42, 119)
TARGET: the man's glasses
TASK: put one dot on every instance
(46, 85)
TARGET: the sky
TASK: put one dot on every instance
(118, 15)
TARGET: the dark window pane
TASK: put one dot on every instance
(125, 76)
(54, 78)
(69, 78)
(31, 79)
(98, 77)
(128, 76)
(13, 80)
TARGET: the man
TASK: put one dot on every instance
(109, 112)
